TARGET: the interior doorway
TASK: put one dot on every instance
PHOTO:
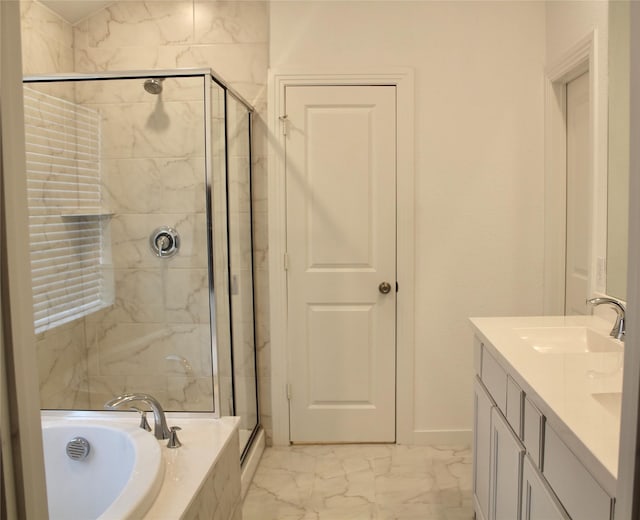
(341, 262)
(578, 197)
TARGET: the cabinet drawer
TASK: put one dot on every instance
(495, 379)
(533, 434)
(579, 492)
(515, 396)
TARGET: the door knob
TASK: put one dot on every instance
(384, 287)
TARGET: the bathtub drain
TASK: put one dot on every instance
(78, 448)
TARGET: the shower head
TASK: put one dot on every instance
(153, 85)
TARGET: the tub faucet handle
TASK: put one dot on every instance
(144, 423)
(174, 442)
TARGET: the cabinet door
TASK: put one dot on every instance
(507, 455)
(538, 502)
(482, 405)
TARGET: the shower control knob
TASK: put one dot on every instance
(164, 242)
(384, 287)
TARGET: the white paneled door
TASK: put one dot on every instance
(341, 262)
(578, 196)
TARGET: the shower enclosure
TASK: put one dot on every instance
(140, 222)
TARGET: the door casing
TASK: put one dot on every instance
(402, 79)
(577, 60)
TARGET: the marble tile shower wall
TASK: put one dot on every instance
(155, 337)
(47, 46)
(230, 37)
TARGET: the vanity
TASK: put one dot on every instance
(547, 399)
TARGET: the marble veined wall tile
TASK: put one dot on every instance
(240, 231)
(159, 129)
(154, 185)
(219, 495)
(239, 186)
(232, 39)
(245, 396)
(189, 394)
(89, 59)
(105, 388)
(126, 24)
(176, 393)
(260, 240)
(160, 296)
(263, 347)
(62, 366)
(231, 22)
(62, 352)
(130, 240)
(132, 91)
(132, 349)
(246, 62)
(243, 65)
(47, 40)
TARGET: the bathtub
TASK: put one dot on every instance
(129, 475)
(119, 477)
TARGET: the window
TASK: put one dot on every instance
(66, 221)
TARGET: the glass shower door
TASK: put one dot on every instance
(120, 257)
(239, 196)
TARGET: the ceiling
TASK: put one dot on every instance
(75, 10)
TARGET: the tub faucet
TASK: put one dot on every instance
(618, 329)
(160, 430)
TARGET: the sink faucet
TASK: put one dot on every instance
(160, 430)
(618, 329)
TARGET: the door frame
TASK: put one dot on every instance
(580, 58)
(402, 79)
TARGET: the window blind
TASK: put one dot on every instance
(65, 223)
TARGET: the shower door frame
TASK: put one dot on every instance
(207, 113)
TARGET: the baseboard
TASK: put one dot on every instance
(443, 437)
(251, 462)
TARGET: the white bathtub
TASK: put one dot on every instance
(129, 475)
(119, 478)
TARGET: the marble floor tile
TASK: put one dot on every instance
(362, 482)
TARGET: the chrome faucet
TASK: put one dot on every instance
(618, 329)
(160, 430)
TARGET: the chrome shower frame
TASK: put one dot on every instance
(211, 75)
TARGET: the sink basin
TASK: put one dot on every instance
(568, 340)
(612, 401)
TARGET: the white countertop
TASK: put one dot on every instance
(563, 385)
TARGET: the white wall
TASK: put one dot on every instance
(479, 162)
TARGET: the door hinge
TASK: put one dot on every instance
(285, 123)
(397, 287)
(286, 262)
(289, 391)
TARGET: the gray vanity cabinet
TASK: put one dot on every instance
(497, 465)
(538, 502)
(522, 470)
(482, 405)
(507, 455)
